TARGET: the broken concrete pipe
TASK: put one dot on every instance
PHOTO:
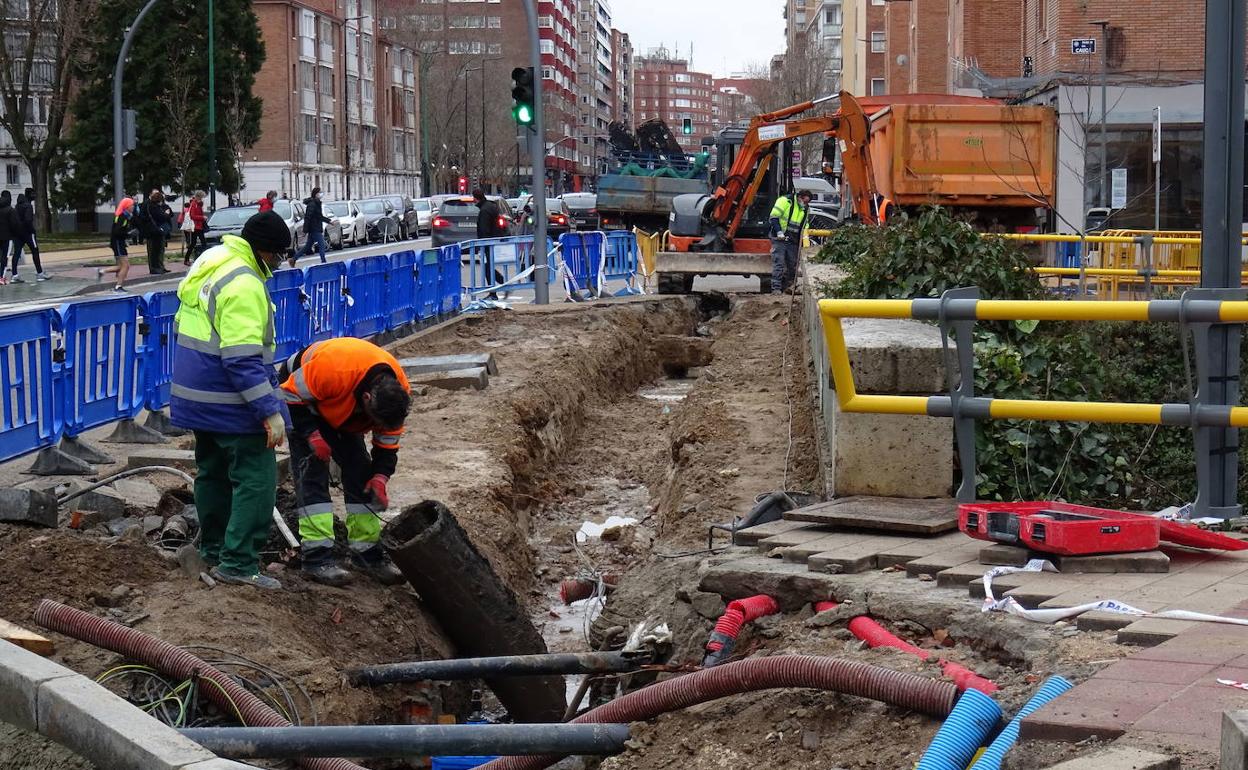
(478, 611)
(173, 662)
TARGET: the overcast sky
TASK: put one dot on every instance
(727, 35)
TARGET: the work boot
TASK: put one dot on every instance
(376, 564)
(322, 568)
(255, 581)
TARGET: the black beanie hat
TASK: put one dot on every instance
(267, 232)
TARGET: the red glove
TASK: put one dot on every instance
(376, 487)
(320, 447)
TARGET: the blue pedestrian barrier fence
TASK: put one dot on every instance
(403, 308)
(157, 312)
(102, 370)
(291, 320)
(1069, 254)
(582, 262)
(327, 303)
(30, 418)
(493, 262)
(67, 370)
(367, 296)
(620, 259)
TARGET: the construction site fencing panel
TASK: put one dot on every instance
(620, 259)
(103, 367)
(367, 293)
(327, 301)
(290, 316)
(492, 262)
(30, 416)
(429, 284)
(582, 259)
(450, 279)
(158, 310)
(402, 308)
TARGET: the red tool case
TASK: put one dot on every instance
(1073, 530)
(1060, 528)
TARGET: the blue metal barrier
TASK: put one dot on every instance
(290, 315)
(450, 279)
(620, 256)
(368, 304)
(1069, 254)
(494, 261)
(429, 284)
(327, 305)
(102, 371)
(158, 310)
(582, 260)
(403, 307)
(30, 417)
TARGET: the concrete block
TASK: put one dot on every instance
(894, 356)
(1234, 740)
(22, 672)
(999, 554)
(1143, 561)
(183, 459)
(101, 727)
(752, 535)
(423, 364)
(889, 455)
(107, 502)
(960, 575)
(456, 379)
(1120, 758)
(138, 492)
(130, 432)
(27, 506)
(1148, 632)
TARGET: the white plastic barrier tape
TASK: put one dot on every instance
(1054, 614)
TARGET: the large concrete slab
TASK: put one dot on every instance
(22, 673)
(423, 364)
(894, 356)
(1121, 758)
(852, 557)
(889, 455)
(889, 514)
(706, 263)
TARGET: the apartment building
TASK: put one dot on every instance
(622, 72)
(824, 38)
(596, 80)
(666, 88)
(341, 104)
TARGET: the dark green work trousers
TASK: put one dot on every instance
(235, 492)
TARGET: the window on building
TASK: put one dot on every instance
(307, 24)
(878, 42)
(12, 175)
(548, 46)
(307, 74)
(877, 87)
(329, 134)
(832, 15)
(877, 2)
(310, 125)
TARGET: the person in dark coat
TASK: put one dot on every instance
(8, 226)
(156, 223)
(24, 235)
(314, 221)
(487, 217)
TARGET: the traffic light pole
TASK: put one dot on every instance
(537, 140)
(119, 145)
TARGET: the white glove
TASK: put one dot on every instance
(275, 427)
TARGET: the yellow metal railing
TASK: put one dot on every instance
(833, 310)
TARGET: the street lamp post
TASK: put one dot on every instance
(119, 146)
(212, 107)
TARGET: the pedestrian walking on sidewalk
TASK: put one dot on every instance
(24, 236)
(337, 391)
(225, 390)
(123, 222)
(314, 221)
(8, 227)
(192, 221)
(156, 223)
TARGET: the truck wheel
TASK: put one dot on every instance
(675, 283)
(764, 284)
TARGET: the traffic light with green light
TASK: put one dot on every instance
(523, 108)
(686, 128)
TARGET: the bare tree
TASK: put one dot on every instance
(44, 42)
(235, 136)
(183, 132)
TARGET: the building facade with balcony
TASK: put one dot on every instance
(596, 78)
(824, 38)
(666, 88)
(622, 72)
(341, 104)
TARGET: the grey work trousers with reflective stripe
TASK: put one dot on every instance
(784, 256)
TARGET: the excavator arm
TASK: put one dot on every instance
(849, 125)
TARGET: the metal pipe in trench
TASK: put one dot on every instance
(394, 741)
(507, 665)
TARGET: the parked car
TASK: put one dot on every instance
(230, 221)
(457, 220)
(352, 222)
(405, 212)
(424, 214)
(381, 220)
(438, 200)
(584, 208)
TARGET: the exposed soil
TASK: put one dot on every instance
(586, 420)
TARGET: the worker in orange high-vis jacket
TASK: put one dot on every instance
(338, 390)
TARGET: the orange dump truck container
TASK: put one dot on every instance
(985, 156)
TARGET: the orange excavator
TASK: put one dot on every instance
(710, 234)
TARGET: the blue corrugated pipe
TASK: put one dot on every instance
(992, 758)
(964, 731)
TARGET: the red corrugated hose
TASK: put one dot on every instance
(174, 662)
(908, 691)
(876, 635)
(738, 613)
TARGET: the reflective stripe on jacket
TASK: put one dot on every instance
(223, 378)
(326, 378)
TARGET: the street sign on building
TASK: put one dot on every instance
(1118, 188)
(1083, 45)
